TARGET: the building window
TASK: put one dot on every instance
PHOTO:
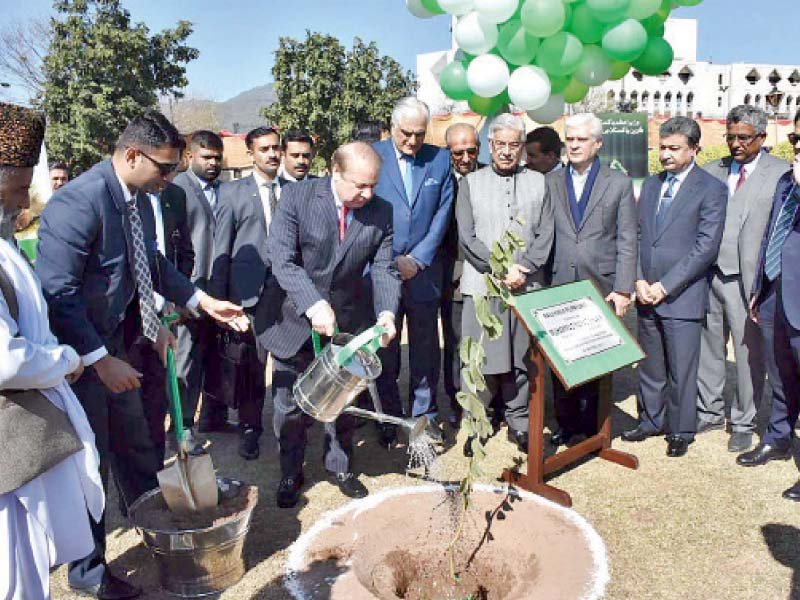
(753, 77)
(794, 78)
(747, 99)
(685, 74)
(668, 104)
(689, 103)
(719, 101)
(637, 75)
(774, 77)
(719, 79)
(757, 101)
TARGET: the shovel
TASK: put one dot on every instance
(189, 484)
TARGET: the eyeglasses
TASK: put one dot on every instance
(793, 138)
(744, 138)
(469, 151)
(510, 145)
(164, 169)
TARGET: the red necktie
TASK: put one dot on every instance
(742, 178)
(343, 222)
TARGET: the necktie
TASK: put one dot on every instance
(273, 200)
(343, 222)
(211, 195)
(408, 176)
(742, 178)
(141, 270)
(666, 200)
(772, 260)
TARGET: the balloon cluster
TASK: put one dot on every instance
(541, 54)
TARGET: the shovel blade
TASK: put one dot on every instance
(189, 484)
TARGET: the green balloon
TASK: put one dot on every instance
(618, 70)
(560, 54)
(625, 41)
(575, 91)
(656, 58)
(432, 6)
(568, 12)
(488, 106)
(688, 2)
(542, 18)
(453, 81)
(584, 26)
(641, 9)
(608, 11)
(595, 67)
(557, 84)
(514, 43)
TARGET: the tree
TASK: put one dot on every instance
(101, 71)
(23, 45)
(327, 90)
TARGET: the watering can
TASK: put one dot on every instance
(339, 373)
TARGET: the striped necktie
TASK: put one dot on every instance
(666, 200)
(772, 260)
(141, 271)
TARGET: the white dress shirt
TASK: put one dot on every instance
(263, 192)
(155, 203)
(579, 181)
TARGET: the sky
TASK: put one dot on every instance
(237, 38)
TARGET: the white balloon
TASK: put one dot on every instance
(456, 7)
(415, 8)
(496, 11)
(487, 75)
(528, 87)
(474, 35)
(550, 111)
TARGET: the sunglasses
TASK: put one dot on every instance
(164, 169)
(793, 138)
(468, 151)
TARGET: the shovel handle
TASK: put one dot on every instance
(172, 386)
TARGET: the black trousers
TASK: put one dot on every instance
(576, 409)
(243, 378)
(155, 402)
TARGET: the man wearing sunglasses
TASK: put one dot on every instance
(751, 176)
(99, 268)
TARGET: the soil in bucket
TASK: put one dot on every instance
(510, 549)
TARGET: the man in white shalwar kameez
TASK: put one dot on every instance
(44, 522)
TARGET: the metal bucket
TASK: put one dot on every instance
(326, 389)
(197, 562)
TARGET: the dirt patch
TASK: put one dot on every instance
(154, 514)
(397, 549)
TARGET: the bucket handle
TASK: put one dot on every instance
(368, 341)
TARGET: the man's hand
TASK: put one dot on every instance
(643, 295)
(657, 293)
(324, 320)
(224, 312)
(116, 374)
(75, 375)
(387, 322)
(407, 266)
(164, 340)
(753, 310)
(516, 276)
(621, 302)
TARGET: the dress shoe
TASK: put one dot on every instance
(248, 444)
(468, 446)
(110, 588)
(349, 485)
(677, 446)
(434, 430)
(705, 426)
(793, 493)
(387, 434)
(762, 454)
(289, 491)
(740, 441)
(520, 438)
(561, 437)
(638, 435)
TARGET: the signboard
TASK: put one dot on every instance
(577, 331)
(625, 143)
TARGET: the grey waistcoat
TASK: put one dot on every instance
(728, 258)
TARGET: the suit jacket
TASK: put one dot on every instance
(177, 237)
(85, 259)
(310, 264)
(419, 225)
(202, 224)
(790, 257)
(604, 246)
(680, 254)
(241, 264)
(756, 194)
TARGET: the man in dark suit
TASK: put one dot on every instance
(543, 150)
(325, 233)
(595, 239)
(174, 242)
(198, 360)
(464, 146)
(240, 271)
(416, 178)
(751, 176)
(775, 306)
(681, 217)
(298, 153)
(96, 258)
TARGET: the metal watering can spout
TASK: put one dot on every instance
(339, 373)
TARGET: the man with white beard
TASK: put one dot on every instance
(49, 489)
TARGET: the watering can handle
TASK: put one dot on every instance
(315, 340)
(368, 341)
(172, 386)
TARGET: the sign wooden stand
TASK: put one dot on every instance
(538, 466)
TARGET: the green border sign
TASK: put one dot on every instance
(555, 315)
